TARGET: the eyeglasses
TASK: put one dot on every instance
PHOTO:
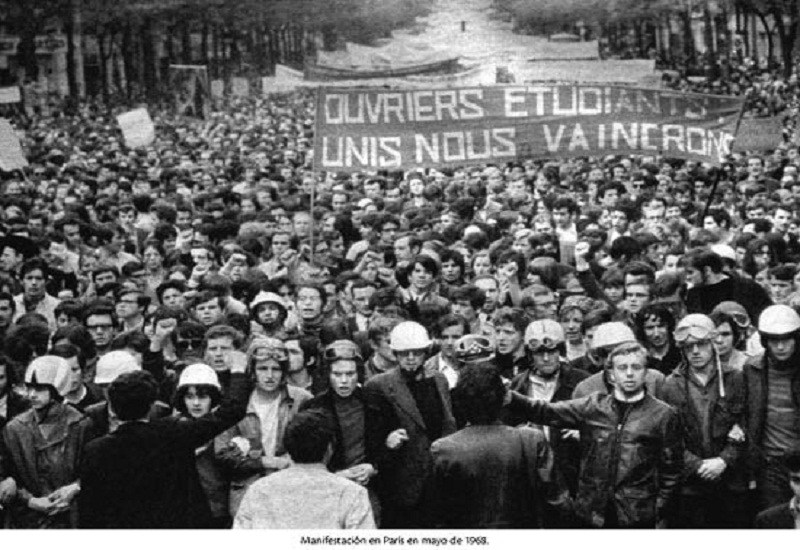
(97, 328)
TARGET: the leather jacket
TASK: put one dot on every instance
(631, 461)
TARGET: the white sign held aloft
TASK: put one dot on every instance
(137, 128)
(11, 155)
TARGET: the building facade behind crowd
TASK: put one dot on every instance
(594, 340)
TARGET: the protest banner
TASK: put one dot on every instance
(191, 90)
(360, 129)
(10, 94)
(759, 134)
(137, 128)
(629, 72)
(240, 87)
(11, 155)
(217, 89)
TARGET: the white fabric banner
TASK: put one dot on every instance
(137, 128)
(10, 94)
(11, 155)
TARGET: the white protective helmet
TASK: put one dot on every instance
(544, 333)
(268, 298)
(409, 335)
(199, 374)
(778, 320)
(612, 334)
(114, 363)
(49, 370)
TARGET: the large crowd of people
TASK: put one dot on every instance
(206, 333)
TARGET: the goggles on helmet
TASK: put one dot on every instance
(695, 333)
(474, 348)
(599, 355)
(546, 344)
(269, 352)
(341, 353)
(740, 319)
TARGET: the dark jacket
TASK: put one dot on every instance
(703, 299)
(402, 473)
(710, 441)
(566, 451)
(144, 475)
(41, 465)
(777, 517)
(242, 468)
(632, 462)
(494, 476)
(100, 417)
(325, 401)
(756, 375)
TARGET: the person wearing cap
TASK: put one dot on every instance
(269, 313)
(42, 447)
(549, 377)
(198, 393)
(447, 331)
(710, 398)
(631, 446)
(144, 475)
(773, 410)
(253, 448)
(487, 474)
(345, 401)
(606, 337)
(411, 409)
(710, 285)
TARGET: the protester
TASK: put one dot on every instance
(282, 501)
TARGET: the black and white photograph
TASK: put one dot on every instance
(440, 272)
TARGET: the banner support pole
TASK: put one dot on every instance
(707, 208)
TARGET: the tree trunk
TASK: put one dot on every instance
(688, 37)
(204, 43)
(150, 62)
(186, 43)
(128, 57)
(101, 47)
(770, 40)
(788, 37)
(69, 31)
